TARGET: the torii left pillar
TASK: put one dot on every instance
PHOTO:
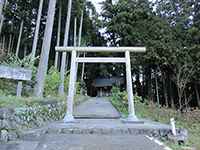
(69, 118)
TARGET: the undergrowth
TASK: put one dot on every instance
(189, 120)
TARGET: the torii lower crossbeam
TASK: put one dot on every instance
(69, 118)
(100, 60)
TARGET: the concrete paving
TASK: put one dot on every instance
(97, 142)
(96, 108)
(86, 142)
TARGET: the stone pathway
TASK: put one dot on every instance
(105, 133)
(97, 108)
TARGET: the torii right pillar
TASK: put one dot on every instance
(132, 118)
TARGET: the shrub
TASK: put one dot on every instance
(13, 61)
(7, 87)
(78, 84)
(123, 96)
(120, 100)
(78, 88)
(52, 82)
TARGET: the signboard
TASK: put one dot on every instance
(15, 73)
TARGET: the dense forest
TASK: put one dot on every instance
(168, 73)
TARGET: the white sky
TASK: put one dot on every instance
(97, 5)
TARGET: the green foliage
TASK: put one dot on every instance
(78, 88)
(14, 61)
(7, 87)
(25, 102)
(172, 39)
(37, 115)
(120, 100)
(52, 82)
(33, 112)
(83, 88)
(14, 102)
(32, 108)
(189, 120)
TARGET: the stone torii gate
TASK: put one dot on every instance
(69, 118)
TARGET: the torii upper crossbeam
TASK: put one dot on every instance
(69, 118)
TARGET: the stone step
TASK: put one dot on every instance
(112, 131)
(96, 117)
(100, 127)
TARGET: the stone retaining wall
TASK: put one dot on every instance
(13, 121)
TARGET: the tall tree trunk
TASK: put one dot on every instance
(64, 54)
(79, 44)
(83, 70)
(75, 32)
(138, 86)
(3, 43)
(179, 98)
(42, 69)
(58, 33)
(11, 38)
(35, 41)
(157, 92)
(10, 43)
(143, 87)
(1, 7)
(171, 94)
(197, 94)
(186, 100)
(1, 14)
(19, 38)
(80, 29)
(149, 84)
(75, 44)
(165, 89)
(1, 23)
(25, 50)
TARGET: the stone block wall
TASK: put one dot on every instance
(13, 121)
